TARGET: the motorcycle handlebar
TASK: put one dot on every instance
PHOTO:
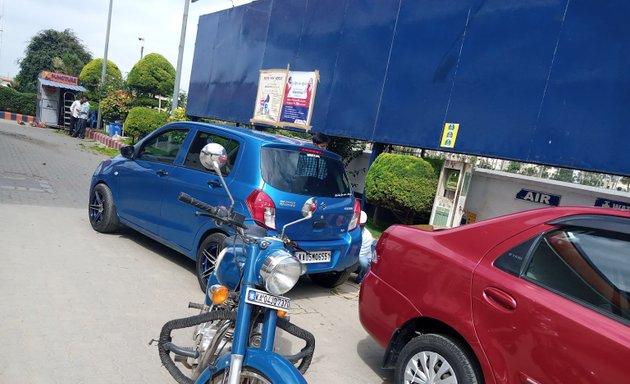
(220, 214)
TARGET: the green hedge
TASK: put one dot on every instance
(401, 183)
(142, 120)
(16, 102)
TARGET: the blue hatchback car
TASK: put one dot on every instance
(269, 176)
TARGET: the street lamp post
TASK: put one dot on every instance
(178, 70)
(141, 39)
(104, 69)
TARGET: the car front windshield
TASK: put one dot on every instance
(305, 172)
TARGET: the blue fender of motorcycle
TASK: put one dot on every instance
(275, 367)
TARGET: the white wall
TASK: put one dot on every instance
(493, 193)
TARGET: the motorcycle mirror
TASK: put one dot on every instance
(309, 207)
(213, 157)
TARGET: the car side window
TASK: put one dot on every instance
(203, 138)
(512, 260)
(164, 147)
(589, 266)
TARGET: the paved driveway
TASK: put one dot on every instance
(81, 307)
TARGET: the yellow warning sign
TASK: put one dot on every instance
(449, 135)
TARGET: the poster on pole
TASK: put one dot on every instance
(299, 95)
(271, 86)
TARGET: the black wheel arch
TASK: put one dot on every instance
(423, 325)
(208, 232)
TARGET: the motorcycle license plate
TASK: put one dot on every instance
(264, 299)
(313, 257)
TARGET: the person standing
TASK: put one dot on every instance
(75, 111)
(365, 254)
(82, 122)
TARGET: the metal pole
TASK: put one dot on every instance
(178, 70)
(104, 70)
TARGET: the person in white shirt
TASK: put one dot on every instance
(75, 111)
(365, 255)
(82, 121)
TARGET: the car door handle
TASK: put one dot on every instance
(499, 299)
(215, 184)
(161, 172)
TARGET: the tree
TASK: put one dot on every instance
(514, 167)
(564, 174)
(51, 50)
(404, 184)
(90, 77)
(151, 76)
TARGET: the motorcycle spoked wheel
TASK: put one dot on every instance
(248, 376)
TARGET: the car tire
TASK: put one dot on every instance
(206, 257)
(102, 210)
(331, 279)
(427, 353)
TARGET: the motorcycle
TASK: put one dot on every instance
(235, 330)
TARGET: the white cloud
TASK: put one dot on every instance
(157, 21)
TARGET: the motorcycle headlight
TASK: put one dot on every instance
(280, 272)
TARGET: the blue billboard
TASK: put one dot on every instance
(541, 81)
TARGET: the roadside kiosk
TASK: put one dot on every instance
(55, 94)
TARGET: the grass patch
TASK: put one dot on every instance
(375, 230)
(100, 148)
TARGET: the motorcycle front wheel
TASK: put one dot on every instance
(248, 376)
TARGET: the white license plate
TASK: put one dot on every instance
(313, 256)
(264, 299)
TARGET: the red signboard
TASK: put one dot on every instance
(60, 78)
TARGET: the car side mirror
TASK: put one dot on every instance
(127, 151)
(213, 157)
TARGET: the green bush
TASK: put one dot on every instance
(116, 106)
(90, 78)
(153, 75)
(146, 102)
(141, 121)
(16, 102)
(401, 183)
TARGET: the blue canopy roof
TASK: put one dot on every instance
(63, 85)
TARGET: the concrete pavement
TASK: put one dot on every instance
(79, 306)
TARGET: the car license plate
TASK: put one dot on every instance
(313, 256)
(264, 299)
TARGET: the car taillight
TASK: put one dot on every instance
(262, 208)
(354, 222)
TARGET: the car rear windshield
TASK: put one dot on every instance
(305, 172)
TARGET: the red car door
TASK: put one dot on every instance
(551, 306)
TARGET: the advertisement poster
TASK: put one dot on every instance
(271, 86)
(299, 94)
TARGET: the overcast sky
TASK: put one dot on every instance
(159, 22)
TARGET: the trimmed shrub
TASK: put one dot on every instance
(401, 183)
(179, 115)
(145, 102)
(90, 77)
(141, 121)
(17, 102)
(153, 75)
(116, 106)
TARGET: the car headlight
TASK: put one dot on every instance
(280, 272)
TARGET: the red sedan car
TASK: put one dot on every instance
(540, 296)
